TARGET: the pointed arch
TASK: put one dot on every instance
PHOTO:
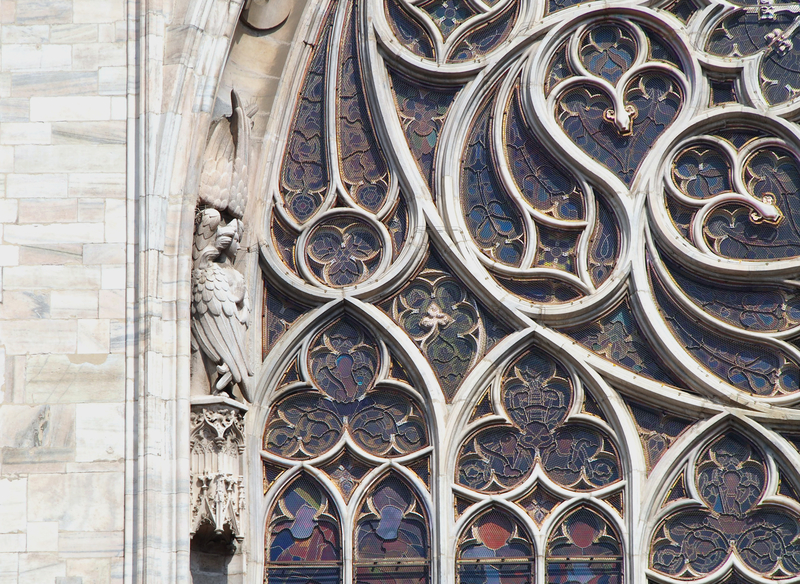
(585, 547)
(495, 547)
(392, 534)
(729, 513)
(303, 535)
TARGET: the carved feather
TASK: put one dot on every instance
(220, 316)
(205, 231)
(223, 181)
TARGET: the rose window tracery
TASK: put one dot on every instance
(531, 295)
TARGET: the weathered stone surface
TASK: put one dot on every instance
(62, 498)
(74, 378)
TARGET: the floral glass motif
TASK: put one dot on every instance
(657, 430)
(537, 394)
(363, 166)
(495, 549)
(731, 479)
(437, 311)
(453, 31)
(770, 32)
(344, 251)
(492, 220)
(584, 548)
(343, 362)
(422, 110)
(755, 367)
(391, 536)
(304, 173)
(761, 178)
(303, 536)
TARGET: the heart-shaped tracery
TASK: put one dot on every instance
(615, 87)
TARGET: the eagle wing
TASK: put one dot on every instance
(219, 323)
(205, 231)
(223, 181)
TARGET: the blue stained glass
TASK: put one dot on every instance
(304, 173)
(544, 183)
(752, 367)
(492, 219)
(408, 31)
(584, 549)
(616, 337)
(581, 112)
(363, 166)
(391, 536)
(731, 479)
(485, 38)
(448, 14)
(755, 307)
(495, 549)
(608, 51)
(604, 246)
(422, 110)
(537, 394)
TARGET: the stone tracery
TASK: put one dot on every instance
(539, 201)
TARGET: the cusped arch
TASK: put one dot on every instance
(585, 545)
(720, 509)
(495, 546)
(392, 530)
(565, 380)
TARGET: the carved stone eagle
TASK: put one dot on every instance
(220, 303)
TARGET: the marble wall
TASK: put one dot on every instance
(63, 224)
(104, 110)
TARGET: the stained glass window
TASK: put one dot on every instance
(303, 541)
(530, 283)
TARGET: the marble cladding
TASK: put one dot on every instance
(64, 284)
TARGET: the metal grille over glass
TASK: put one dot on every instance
(531, 295)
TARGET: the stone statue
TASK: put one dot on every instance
(220, 303)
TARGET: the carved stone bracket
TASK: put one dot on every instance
(217, 467)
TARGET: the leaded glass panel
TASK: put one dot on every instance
(531, 295)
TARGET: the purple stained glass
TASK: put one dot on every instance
(542, 181)
(407, 30)
(493, 220)
(537, 393)
(584, 548)
(486, 37)
(303, 525)
(731, 478)
(422, 109)
(753, 367)
(616, 337)
(362, 163)
(304, 173)
(495, 549)
(391, 536)
(773, 34)
(582, 112)
(442, 316)
(343, 250)
(761, 308)
(343, 361)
